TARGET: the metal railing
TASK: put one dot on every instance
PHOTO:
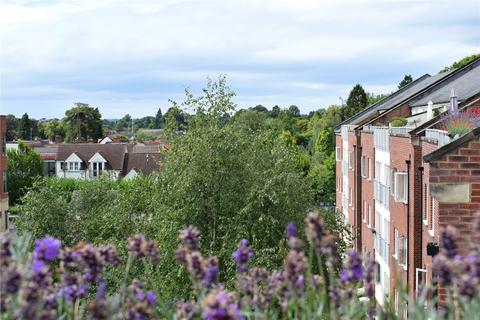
(381, 138)
(441, 136)
(381, 193)
(400, 131)
(344, 132)
(344, 167)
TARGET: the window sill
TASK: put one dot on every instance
(394, 257)
(425, 222)
(404, 266)
(431, 233)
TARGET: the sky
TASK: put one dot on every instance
(133, 56)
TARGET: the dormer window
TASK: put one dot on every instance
(96, 165)
(73, 166)
(73, 163)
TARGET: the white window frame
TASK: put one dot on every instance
(425, 200)
(73, 166)
(369, 216)
(364, 215)
(370, 169)
(395, 251)
(338, 154)
(398, 187)
(432, 222)
(363, 166)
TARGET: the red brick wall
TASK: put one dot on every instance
(402, 112)
(459, 166)
(367, 240)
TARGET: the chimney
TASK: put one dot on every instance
(429, 110)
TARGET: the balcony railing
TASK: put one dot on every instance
(381, 138)
(344, 132)
(344, 200)
(441, 136)
(381, 193)
(344, 167)
(400, 131)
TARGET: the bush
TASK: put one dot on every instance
(398, 122)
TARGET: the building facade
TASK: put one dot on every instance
(398, 186)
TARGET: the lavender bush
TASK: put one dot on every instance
(69, 283)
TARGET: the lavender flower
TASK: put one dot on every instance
(242, 255)
(448, 245)
(11, 280)
(219, 304)
(190, 238)
(353, 270)
(143, 248)
(110, 255)
(368, 279)
(46, 249)
(211, 271)
(320, 238)
(295, 267)
(195, 265)
(186, 311)
(443, 269)
(291, 230)
(151, 298)
(5, 243)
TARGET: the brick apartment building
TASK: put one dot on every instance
(398, 186)
(3, 175)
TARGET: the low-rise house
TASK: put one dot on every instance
(90, 160)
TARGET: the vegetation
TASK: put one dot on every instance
(56, 281)
(460, 123)
(398, 122)
(405, 81)
(83, 123)
(462, 62)
(24, 167)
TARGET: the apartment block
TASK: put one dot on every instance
(398, 186)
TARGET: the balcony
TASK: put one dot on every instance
(441, 136)
(400, 131)
(381, 193)
(344, 167)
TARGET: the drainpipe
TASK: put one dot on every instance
(420, 169)
(408, 221)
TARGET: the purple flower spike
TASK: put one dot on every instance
(151, 298)
(38, 266)
(353, 270)
(242, 255)
(47, 249)
(291, 230)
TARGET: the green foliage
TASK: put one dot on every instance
(356, 102)
(405, 81)
(124, 124)
(374, 98)
(462, 62)
(398, 122)
(83, 123)
(53, 129)
(142, 135)
(25, 128)
(24, 167)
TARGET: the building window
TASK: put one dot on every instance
(338, 154)
(97, 168)
(363, 164)
(392, 179)
(5, 185)
(432, 216)
(364, 213)
(73, 166)
(369, 169)
(403, 252)
(395, 243)
(400, 183)
(425, 205)
(350, 159)
(369, 218)
(378, 273)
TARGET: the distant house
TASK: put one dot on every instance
(144, 163)
(90, 160)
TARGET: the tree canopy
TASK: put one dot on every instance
(83, 123)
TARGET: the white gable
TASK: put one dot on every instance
(132, 174)
(73, 158)
(106, 140)
(97, 157)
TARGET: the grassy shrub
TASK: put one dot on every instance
(398, 122)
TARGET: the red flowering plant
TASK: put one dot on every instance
(459, 123)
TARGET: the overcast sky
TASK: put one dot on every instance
(132, 56)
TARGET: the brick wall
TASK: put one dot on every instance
(459, 167)
(366, 223)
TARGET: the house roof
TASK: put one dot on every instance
(466, 83)
(114, 153)
(449, 147)
(394, 99)
(143, 162)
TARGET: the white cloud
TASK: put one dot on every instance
(278, 50)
